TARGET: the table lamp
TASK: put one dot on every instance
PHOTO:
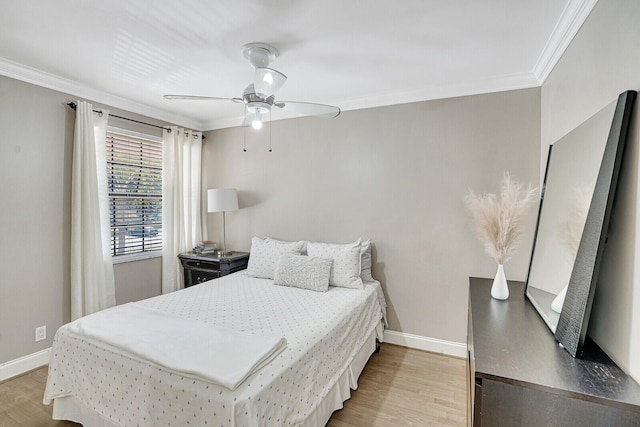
(222, 200)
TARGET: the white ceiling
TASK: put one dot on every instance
(353, 54)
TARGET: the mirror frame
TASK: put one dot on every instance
(572, 325)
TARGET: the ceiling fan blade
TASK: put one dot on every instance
(267, 81)
(310, 109)
(201, 98)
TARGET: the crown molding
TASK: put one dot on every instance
(230, 122)
(468, 88)
(476, 87)
(573, 16)
(50, 81)
(60, 84)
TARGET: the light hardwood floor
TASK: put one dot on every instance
(407, 387)
(398, 387)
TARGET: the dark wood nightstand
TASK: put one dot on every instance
(199, 268)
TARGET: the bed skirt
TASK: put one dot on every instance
(70, 408)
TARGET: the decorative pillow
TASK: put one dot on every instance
(304, 243)
(265, 254)
(365, 261)
(304, 272)
(345, 271)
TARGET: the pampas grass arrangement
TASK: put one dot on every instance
(497, 222)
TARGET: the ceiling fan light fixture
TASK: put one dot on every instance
(257, 107)
(268, 81)
(256, 124)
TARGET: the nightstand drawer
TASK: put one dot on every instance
(199, 268)
(202, 265)
(195, 277)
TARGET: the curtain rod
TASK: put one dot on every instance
(73, 106)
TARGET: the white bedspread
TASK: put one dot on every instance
(184, 346)
(323, 330)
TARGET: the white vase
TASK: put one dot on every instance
(500, 290)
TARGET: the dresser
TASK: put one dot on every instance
(199, 268)
(520, 376)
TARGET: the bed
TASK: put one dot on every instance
(328, 337)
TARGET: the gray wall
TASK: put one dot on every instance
(35, 219)
(396, 175)
(601, 62)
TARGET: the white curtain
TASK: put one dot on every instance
(92, 283)
(181, 217)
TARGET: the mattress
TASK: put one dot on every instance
(325, 332)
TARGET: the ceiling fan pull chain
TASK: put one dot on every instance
(244, 138)
(270, 124)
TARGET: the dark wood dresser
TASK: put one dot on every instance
(520, 376)
(199, 268)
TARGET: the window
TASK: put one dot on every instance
(134, 182)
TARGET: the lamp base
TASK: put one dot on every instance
(222, 254)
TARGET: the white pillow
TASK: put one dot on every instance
(304, 272)
(366, 261)
(345, 271)
(304, 243)
(265, 255)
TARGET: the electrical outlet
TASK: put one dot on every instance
(41, 333)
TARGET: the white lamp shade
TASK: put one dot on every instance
(222, 200)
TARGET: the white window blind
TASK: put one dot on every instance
(134, 179)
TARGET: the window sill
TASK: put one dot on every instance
(119, 259)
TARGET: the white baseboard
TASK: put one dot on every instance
(433, 345)
(24, 364)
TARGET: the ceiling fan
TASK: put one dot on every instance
(259, 97)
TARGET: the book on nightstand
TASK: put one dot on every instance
(205, 247)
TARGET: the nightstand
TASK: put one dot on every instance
(199, 268)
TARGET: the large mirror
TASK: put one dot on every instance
(575, 207)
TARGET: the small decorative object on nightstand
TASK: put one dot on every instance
(199, 268)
